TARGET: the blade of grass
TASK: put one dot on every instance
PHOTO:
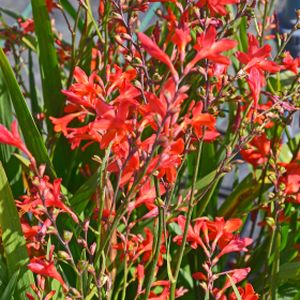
(235, 290)
(10, 287)
(5, 118)
(13, 240)
(32, 137)
(50, 73)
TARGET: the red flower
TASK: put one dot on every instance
(237, 275)
(181, 38)
(27, 25)
(193, 236)
(216, 7)
(45, 267)
(256, 64)
(62, 123)
(257, 150)
(139, 247)
(200, 121)
(247, 293)
(290, 63)
(87, 90)
(168, 161)
(43, 195)
(13, 138)
(157, 53)
(208, 47)
(237, 244)
(291, 178)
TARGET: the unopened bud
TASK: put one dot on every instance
(82, 242)
(63, 255)
(67, 236)
(93, 248)
(125, 36)
(82, 265)
(91, 269)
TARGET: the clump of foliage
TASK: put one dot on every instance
(125, 145)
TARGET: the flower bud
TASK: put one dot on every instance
(82, 265)
(93, 248)
(63, 255)
(67, 236)
(82, 242)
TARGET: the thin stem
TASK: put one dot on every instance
(187, 223)
(149, 279)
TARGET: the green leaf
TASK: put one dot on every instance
(11, 286)
(289, 271)
(32, 137)
(83, 195)
(203, 182)
(242, 36)
(50, 73)
(242, 197)
(13, 240)
(235, 290)
(5, 117)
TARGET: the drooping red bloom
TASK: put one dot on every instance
(256, 63)
(181, 38)
(237, 275)
(45, 267)
(151, 47)
(13, 138)
(202, 123)
(291, 178)
(193, 236)
(247, 293)
(45, 194)
(209, 47)
(217, 7)
(165, 284)
(168, 161)
(257, 150)
(139, 247)
(27, 25)
(290, 63)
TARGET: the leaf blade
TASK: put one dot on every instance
(12, 237)
(29, 129)
(50, 73)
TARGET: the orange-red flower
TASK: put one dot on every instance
(216, 7)
(152, 48)
(209, 47)
(45, 267)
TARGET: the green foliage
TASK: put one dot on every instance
(14, 247)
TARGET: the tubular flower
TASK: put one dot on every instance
(216, 7)
(257, 151)
(255, 64)
(216, 238)
(13, 138)
(208, 47)
(151, 47)
(45, 267)
(291, 179)
(247, 293)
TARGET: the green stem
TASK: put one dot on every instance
(150, 276)
(188, 220)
